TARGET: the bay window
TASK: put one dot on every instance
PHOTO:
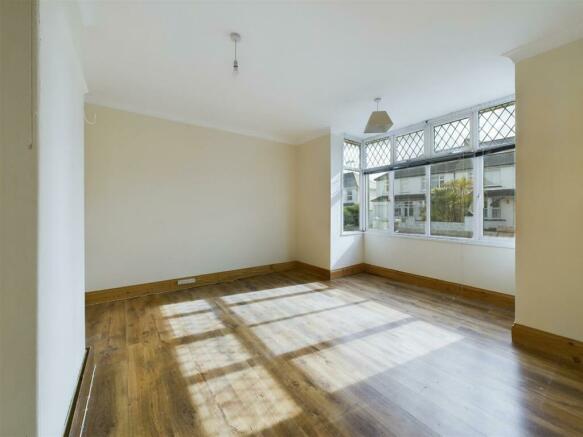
(448, 178)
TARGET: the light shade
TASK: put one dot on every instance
(378, 123)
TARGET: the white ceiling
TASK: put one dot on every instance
(306, 67)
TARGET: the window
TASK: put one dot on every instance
(378, 153)
(410, 196)
(351, 155)
(452, 202)
(497, 124)
(378, 201)
(452, 135)
(416, 183)
(410, 146)
(499, 196)
(440, 178)
(351, 205)
(351, 187)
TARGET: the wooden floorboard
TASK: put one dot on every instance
(290, 354)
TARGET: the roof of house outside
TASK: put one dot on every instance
(499, 159)
(410, 172)
(349, 180)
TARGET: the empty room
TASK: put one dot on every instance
(277, 218)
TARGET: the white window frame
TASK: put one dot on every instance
(361, 189)
(423, 126)
(478, 237)
(449, 119)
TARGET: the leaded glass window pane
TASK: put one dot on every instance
(409, 146)
(378, 153)
(452, 135)
(351, 154)
(498, 124)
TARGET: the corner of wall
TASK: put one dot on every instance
(313, 202)
(348, 249)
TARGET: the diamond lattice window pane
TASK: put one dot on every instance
(498, 124)
(378, 153)
(410, 146)
(351, 154)
(453, 135)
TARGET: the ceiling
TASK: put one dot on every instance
(306, 67)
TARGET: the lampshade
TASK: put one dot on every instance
(378, 123)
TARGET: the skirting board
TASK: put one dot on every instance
(131, 291)
(488, 296)
(347, 271)
(318, 271)
(76, 420)
(550, 345)
(332, 274)
(170, 285)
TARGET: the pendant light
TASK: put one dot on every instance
(379, 121)
(235, 37)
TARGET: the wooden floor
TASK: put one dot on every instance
(287, 354)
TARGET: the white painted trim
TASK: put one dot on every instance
(505, 243)
(549, 42)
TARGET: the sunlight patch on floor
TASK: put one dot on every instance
(194, 324)
(179, 308)
(251, 296)
(242, 402)
(213, 353)
(345, 364)
(297, 333)
(265, 311)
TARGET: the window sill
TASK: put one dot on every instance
(504, 243)
(351, 233)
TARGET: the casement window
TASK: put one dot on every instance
(409, 195)
(378, 201)
(351, 187)
(451, 136)
(497, 124)
(448, 178)
(452, 202)
(410, 146)
(498, 197)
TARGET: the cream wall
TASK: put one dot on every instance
(165, 200)
(313, 202)
(549, 184)
(18, 222)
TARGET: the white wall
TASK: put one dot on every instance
(313, 202)
(165, 200)
(549, 188)
(18, 221)
(61, 306)
(348, 249)
(491, 268)
(42, 304)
